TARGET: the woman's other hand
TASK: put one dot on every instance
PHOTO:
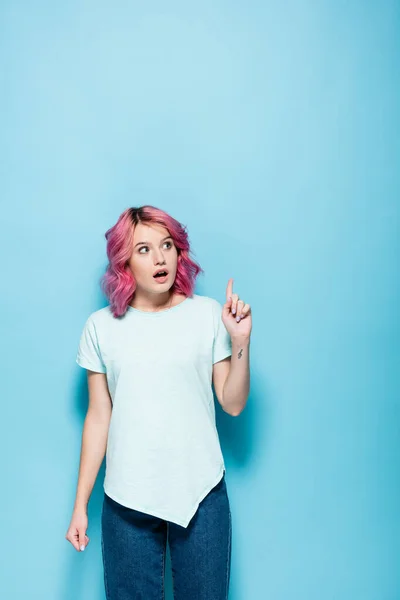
(76, 533)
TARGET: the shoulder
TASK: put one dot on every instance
(101, 317)
(209, 305)
(207, 301)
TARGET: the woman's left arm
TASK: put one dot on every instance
(236, 316)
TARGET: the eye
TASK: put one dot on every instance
(142, 247)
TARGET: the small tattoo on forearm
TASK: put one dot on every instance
(240, 353)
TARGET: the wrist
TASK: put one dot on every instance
(240, 339)
(80, 506)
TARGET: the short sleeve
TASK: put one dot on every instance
(89, 355)
(222, 346)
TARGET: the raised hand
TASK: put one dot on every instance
(236, 315)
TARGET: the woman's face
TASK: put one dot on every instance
(153, 249)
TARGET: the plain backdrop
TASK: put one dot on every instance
(271, 130)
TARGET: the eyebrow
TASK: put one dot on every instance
(166, 237)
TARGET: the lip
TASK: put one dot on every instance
(161, 279)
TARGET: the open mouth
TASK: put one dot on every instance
(160, 274)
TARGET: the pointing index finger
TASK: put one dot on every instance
(229, 288)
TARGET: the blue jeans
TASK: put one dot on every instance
(134, 546)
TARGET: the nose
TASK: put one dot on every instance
(160, 258)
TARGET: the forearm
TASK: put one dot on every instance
(237, 385)
(94, 445)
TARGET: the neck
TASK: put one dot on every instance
(152, 302)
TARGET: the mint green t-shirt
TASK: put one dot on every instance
(163, 451)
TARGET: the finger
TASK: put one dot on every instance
(227, 306)
(245, 310)
(239, 309)
(73, 539)
(235, 299)
(229, 288)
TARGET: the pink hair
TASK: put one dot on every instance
(118, 283)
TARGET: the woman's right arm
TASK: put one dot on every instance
(94, 445)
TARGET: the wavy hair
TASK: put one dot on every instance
(118, 283)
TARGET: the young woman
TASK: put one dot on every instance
(152, 356)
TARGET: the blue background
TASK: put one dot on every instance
(271, 129)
